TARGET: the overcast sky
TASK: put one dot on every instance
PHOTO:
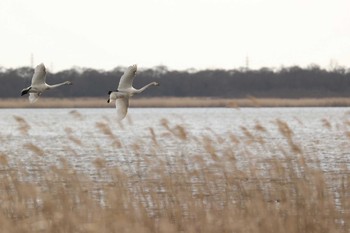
(179, 34)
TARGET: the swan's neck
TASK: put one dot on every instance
(55, 85)
(137, 91)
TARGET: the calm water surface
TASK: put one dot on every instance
(82, 135)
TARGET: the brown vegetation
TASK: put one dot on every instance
(176, 102)
(208, 192)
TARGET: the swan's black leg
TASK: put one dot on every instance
(25, 91)
(112, 91)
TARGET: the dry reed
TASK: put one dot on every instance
(207, 192)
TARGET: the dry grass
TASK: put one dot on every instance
(208, 192)
(177, 102)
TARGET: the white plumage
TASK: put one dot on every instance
(39, 85)
(125, 90)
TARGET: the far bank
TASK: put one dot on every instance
(174, 102)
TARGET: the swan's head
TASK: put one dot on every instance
(155, 83)
(68, 83)
(40, 69)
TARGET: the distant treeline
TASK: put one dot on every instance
(290, 82)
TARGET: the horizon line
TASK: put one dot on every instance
(192, 69)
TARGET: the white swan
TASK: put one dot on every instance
(126, 90)
(39, 84)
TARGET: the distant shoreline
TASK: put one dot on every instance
(174, 102)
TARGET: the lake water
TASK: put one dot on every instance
(41, 137)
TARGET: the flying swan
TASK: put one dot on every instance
(39, 84)
(125, 90)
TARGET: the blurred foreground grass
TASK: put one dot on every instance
(208, 192)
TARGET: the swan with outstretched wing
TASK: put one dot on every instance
(125, 90)
(39, 85)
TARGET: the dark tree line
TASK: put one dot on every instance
(290, 82)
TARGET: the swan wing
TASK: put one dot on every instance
(127, 78)
(122, 105)
(33, 97)
(39, 76)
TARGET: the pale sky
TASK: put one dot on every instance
(179, 34)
